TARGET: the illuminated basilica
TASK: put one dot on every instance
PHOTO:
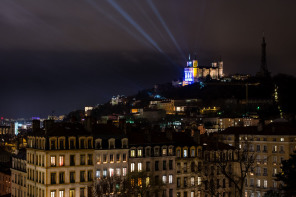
(193, 72)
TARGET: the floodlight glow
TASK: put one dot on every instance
(134, 24)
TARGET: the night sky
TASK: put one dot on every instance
(63, 55)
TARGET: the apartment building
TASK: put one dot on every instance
(60, 161)
(269, 145)
(154, 154)
(19, 174)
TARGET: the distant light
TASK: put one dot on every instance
(1, 118)
(35, 118)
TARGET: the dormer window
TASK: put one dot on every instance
(140, 152)
(148, 152)
(98, 143)
(164, 151)
(156, 151)
(72, 143)
(111, 143)
(82, 145)
(61, 144)
(89, 143)
(192, 152)
(185, 153)
(170, 150)
(133, 153)
(52, 144)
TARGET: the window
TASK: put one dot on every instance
(117, 157)
(192, 181)
(52, 160)
(89, 175)
(178, 182)
(89, 159)
(156, 165)
(192, 153)
(82, 146)
(72, 192)
(82, 176)
(111, 172)
(258, 182)
(104, 158)
(170, 151)
(148, 152)
(105, 173)
(192, 194)
(274, 148)
(164, 165)
(264, 148)
(52, 193)
(117, 171)
(62, 177)
(111, 158)
(139, 167)
(265, 183)
(53, 178)
(164, 179)
(61, 145)
(124, 171)
(164, 151)
(133, 153)
(185, 154)
(282, 139)
(185, 167)
(61, 193)
(139, 152)
(147, 166)
(72, 160)
(185, 181)
(98, 174)
(61, 160)
(72, 177)
(52, 144)
(178, 167)
(81, 192)
(124, 157)
(178, 153)
(198, 180)
(89, 143)
(258, 148)
(82, 159)
(170, 179)
(170, 164)
(72, 144)
(132, 167)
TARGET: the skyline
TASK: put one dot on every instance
(65, 55)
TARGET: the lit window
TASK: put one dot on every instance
(72, 193)
(111, 172)
(132, 167)
(139, 167)
(61, 160)
(61, 193)
(98, 173)
(164, 179)
(140, 182)
(124, 171)
(185, 153)
(164, 151)
(192, 181)
(192, 152)
(170, 179)
(282, 139)
(147, 181)
(170, 151)
(265, 183)
(133, 153)
(258, 182)
(198, 180)
(52, 160)
(117, 171)
(53, 194)
(192, 194)
(104, 173)
(139, 152)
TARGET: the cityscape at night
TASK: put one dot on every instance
(140, 98)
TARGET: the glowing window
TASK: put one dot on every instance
(124, 171)
(133, 153)
(52, 160)
(185, 154)
(61, 160)
(53, 194)
(170, 179)
(132, 167)
(139, 167)
(164, 179)
(111, 172)
(139, 152)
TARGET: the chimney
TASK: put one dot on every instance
(196, 136)
(88, 124)
(35, 125)
(48, 124)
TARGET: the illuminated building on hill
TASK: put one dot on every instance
(193, 72)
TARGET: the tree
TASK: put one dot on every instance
(110, 186)
(288, 176)
(271, 193)
(236, 166)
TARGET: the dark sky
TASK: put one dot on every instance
(63, 55)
